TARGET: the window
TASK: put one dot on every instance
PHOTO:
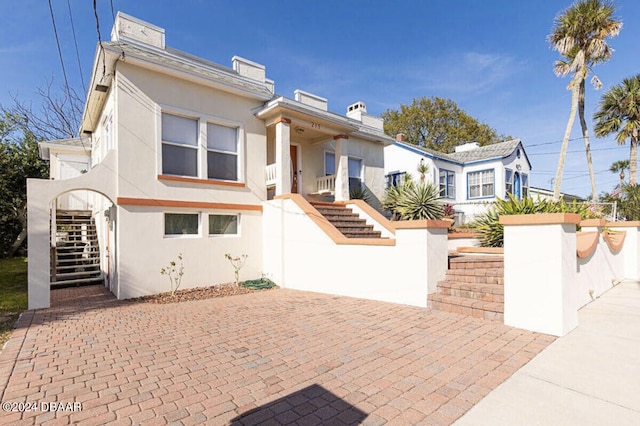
(480, 184)
(108, 134)
(222, 152)
(447, 184)
(395, 178)
(525, 185)
(508, 181)
(181, 223)
(222, 224)
(179, 145)
(355, 173)
(329, 164)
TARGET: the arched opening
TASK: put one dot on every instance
(82, 240)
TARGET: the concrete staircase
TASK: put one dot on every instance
(76, 258)
(346, 221)
(474, 286)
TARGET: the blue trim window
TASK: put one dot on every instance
(508, 181)
(525, 184)
(481, 184)
(395, 178)
(447, 184)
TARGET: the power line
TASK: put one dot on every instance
(576, 150)
(95, 13)
(55, 32)
(75, 41)
(113, 15)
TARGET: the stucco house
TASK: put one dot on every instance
(469, 179)
(185, 156)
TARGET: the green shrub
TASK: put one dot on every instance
(492, 233)
(360, 193)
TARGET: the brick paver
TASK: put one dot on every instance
(278, 357)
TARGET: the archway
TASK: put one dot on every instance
(42, 196)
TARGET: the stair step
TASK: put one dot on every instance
(485, 292)
(466, 306)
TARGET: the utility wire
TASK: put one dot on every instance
(75, 41)
(55, 32)
(113, 15)
(95, 13)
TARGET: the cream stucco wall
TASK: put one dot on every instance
(143, 251)
(142, 96)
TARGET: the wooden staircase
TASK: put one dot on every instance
(76, 258)
(346, 221)
(474, 286)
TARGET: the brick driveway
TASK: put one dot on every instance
(277, 357)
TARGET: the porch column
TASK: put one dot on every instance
(342, 168)
(283, 159)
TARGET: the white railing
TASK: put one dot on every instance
(326, 184)
(271, 174)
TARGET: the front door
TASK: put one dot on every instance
(293, 152)
(516, 185)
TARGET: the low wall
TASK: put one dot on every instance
(303, 251)
(551, 271)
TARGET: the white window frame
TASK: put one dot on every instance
(481, 183)
(361, 174)
(107, 126)
(524, 189)
(239, 220)
(508, 183)
(181, 145)
(202, 120)
(164, 227)
(448, 175)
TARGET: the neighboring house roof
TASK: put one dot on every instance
(79, 145)
(496, 151)
(549, 193)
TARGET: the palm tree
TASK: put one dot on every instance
(619, 166)
(619, 111)
(579, 34)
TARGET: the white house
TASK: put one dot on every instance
(471, 178)
(191, 157)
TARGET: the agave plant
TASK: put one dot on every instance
(421, 201)
(360, 193)
(492, 232)
(394, 194)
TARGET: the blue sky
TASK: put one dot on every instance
(491, 57)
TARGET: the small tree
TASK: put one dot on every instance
(175, 273)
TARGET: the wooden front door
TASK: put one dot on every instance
(293, 152)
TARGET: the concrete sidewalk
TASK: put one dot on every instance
(589, 377)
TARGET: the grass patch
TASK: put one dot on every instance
(13, 294)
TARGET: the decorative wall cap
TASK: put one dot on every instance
(629, 224)
(593, 223)
(421, 224)
(540, 219)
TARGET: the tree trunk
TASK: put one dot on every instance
(587, 145)
(633, 158)
(575, 94)
(21, 215)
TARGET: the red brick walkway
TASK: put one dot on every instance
(276, 357)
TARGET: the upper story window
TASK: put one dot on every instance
(447, 184)
(179, 145)
(195, 147)
(222, 152)
(481, 184)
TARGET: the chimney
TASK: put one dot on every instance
(128, 28)
(469, 146)
(401, 137)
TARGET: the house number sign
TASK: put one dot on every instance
(315, 125)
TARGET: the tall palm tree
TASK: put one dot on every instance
(619, 167)
(579, 34)
(619, 111)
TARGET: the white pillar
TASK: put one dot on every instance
(540, 272)
(630, 248)
(39, 244)
(342, 168)
(283, 156)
